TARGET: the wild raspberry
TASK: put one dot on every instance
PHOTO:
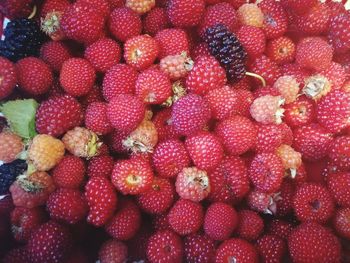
(337, 185)
(250, 225)
(336, 74)
(55, 53)
(281, 50)
(267, 109)
(245, 98)
(269, 138)
(237, 249)
(299, 6)
(267, 68)
(288, 87)
(11, 146)
(192, 184)
(291, 159)
(100, 166)
(271, 248)
(69, 172)
(140, 7)
(199, 248)
(172, 41)
(183, 13)
(252, 39)
(155, 21)
(113, 250)
(341, 222)
(176, 66)
(339, 33)
(251, 15)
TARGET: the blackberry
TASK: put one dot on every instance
(227, 49)
(9, 173)
(23, 38)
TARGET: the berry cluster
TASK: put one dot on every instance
(199, 131)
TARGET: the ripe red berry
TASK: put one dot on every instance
(199, 248)
(281, 50)
(236, 249)
(185, 13)
(341, 222)
(252, 39)
(55, 53)
(155, 21)
(96, 118)
(338, 186)
(100, 166)
(339, 32)
(271, 248)
(269, 138)
(172, 42)
(34, 75)
(299, 6)
(280, 228)
(113, 251)
(267, 68)
(339, 153)
(193, 212)
(8, 77)
(69, 172)
(250, 225)
(299, 112)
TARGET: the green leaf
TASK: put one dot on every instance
(20, 115)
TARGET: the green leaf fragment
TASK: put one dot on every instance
(20, 115)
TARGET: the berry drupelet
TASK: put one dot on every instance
(227, 49)
(9, 172)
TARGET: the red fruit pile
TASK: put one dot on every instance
(143, 150)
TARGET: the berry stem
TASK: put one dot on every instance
(251, 74)
(33, 13)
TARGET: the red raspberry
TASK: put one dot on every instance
(170, 157)
(333, 111)
(125, 112)
(140, 7)
(220, 13)
(102, 6)
(229, 182)
(252, 39)
(8, 77)
(207, 74)
(77, 76)
(176, 66)
(280, 228)
(267, 109)
(94, 95)
(250, 14)
(132, 176)
(199, 248)
(341, 222)
(155, 21)
(160, 222)
(266, 172)
(153, 86)
(164, 246)
(96, 118)
(295, 70)
(163, 123)
(314, 53)
(113, 251)
(34, 76)
(116, 139)
(103, 54)
(269, 138)
(267, 68)
(100, 166)
(311, 242)
(262, 202)
(245, 98)
(313, 202)
(205, 150)
(24, 221)
(336, 74)
(200, 50)
(338, 187)
(172, 42)
(281, 50)
(56, 240)
(291, 159)
(141, 51)
(158, 198)
(193, 184)
(69, 172)
(250, 226)
(238, 134)
(223, 102)
(339, 32)
(275, 19)
(339, 153)
(102, 200)
(288, 87)
(82, 23)
(67, 205)
(299, 112)
(271, 248)
(190, 114)
(58, 115)
(55, 53)
(124, 23)
(237, 249)
(220, 221)
(193, 212)
(185, 13)
(120, 79)
(126, 222)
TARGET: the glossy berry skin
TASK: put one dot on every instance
(338, 186)
(69, 172)
(199, 248)
(338, 32)
(312, 141)
(192, 211)
(269, 138)
(252, 39)
(132, 176)
(238, 249)
(155, 21)
(192, 184)
(205, 150)
(267, 109)
(238, 134)
(153, 86)
(300, 112)
(280, 228)
(250, 225)
(11, 146)
(271, 248)
(184, 13)
(251, 15)
(124, 23)
(141, 51)
(311, 242)
(119, 79)
(101, 199)
(207, 74)
(220, 221)
(298, 6)
(126, 222)
(339, 153)
(158, 198)
(165, 129)
(165, 246)
(341, 222)
(113, 251)
(313, 202)
(170, 157)
(103, 54)
(96, 118)
(55, 53)
(9, 77)
(266, 172)
(100, 166)
(33, 75)
(172, 41)
(125, 112)
(266, 68)
(67, 205)
(333, 111)
(281, 50)
(55, 238)
(190, 114)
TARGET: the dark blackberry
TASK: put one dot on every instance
(23, 38)
(9, 173)
(227, 49)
